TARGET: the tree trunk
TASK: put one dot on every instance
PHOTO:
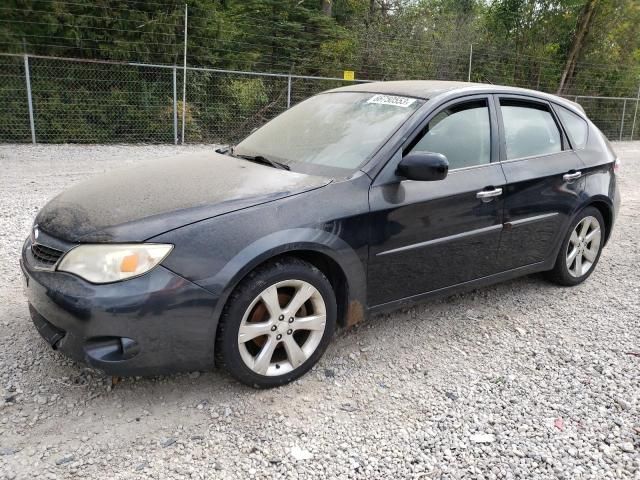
(326, 7)
(584, 23)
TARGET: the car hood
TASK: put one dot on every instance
(137, 203)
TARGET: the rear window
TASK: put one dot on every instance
(575, 126)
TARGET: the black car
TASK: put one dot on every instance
(360, 199)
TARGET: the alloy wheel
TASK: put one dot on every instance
(282, 327)
(583, 247)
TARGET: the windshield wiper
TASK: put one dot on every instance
(263, 160)
(225, 149)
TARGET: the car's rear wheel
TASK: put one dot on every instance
(276, 324)
(580, 250)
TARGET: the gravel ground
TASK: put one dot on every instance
(520, 380)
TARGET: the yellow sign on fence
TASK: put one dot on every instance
(349, 75)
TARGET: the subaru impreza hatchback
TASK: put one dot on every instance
(357, 200)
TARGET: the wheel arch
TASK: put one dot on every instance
(328, 266)
(604, 206)
(330, 254)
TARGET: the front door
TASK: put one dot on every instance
(429, 235)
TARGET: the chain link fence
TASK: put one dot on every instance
(617, 117)
(14, 109)
(58, 100)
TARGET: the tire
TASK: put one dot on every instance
(574, 274)
(261, 305)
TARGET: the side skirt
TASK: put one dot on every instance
(462, 287)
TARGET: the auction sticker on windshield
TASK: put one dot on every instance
(391, 100)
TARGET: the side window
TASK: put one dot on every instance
(575, 125)
(461, 133)
(529, 129)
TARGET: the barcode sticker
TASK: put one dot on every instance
(403, 102)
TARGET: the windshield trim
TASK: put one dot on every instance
(372, 92)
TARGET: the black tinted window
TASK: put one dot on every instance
(575, 126)
(529, 129)
(461, 133)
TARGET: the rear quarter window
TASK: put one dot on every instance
(575, 126)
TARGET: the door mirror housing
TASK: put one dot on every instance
(424, 166)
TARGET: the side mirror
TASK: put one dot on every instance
(424, 166)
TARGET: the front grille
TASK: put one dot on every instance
(45, 255)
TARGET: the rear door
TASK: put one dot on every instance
(543, 180)
(429, 235)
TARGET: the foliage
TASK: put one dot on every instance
(517, 42)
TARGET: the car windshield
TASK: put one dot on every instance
(329, 134)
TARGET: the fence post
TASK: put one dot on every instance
(289, 91)
(184, 79)
(633, 125)
(470, 60)
(175, 107)
(27, 77)
(624, 109)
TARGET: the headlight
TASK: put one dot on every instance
(104, 263)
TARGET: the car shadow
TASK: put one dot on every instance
(216, 382)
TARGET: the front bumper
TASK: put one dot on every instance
(153, 324)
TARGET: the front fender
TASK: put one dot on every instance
(224, 281)
(217, 254)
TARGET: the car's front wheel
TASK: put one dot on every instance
(581, 248)
(276, 324)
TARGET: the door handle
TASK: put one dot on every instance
(487, 195)
(568, 177)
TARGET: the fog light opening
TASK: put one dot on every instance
(111, 349)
